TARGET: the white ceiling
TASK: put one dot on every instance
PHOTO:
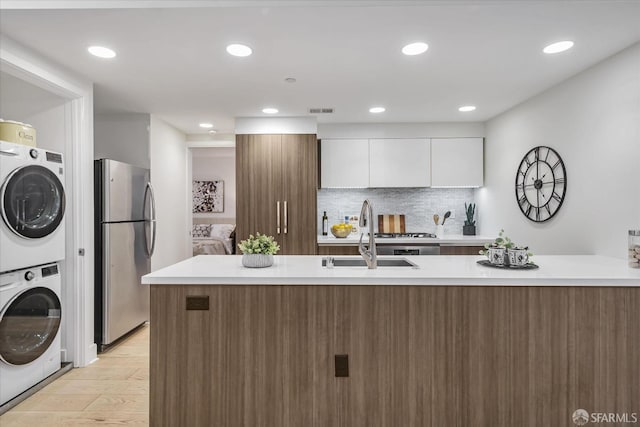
(172, 61)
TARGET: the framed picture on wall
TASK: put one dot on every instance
(208, 196)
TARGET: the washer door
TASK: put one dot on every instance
(32, 202)
(28, 325)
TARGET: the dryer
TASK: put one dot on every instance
(30, 318)
(32, 205)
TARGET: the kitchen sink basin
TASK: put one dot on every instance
(359, 262)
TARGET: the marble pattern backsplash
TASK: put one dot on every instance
(418, 204)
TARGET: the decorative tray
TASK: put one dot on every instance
(530, 266)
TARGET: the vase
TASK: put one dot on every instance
(257, 260)
(468, 230)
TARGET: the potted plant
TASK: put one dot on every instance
(469, 228)
(504, 252)
(258, 250)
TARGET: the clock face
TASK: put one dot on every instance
(541, 184)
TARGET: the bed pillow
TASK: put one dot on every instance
(201, 230)
(222, 231)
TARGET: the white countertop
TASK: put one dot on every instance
(555, 270)
(448, 239)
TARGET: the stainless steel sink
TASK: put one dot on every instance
(359, 262)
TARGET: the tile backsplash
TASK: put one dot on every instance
(418, 204)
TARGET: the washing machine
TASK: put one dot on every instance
(32, 205)
(30, 318)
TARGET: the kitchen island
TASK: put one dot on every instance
(448, 343)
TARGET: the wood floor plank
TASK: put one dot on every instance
(83, 418)
(54, 402)
(120, 403)
(97, 372)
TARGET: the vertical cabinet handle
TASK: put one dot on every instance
(286, 221)
(278, 217)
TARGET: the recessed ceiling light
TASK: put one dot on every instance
(558, 47)
(377, 110)
(206, 125)
(415, 48)
(101, 52)
(239, 50)
(467, 108)
(270, 110)
(213, 131)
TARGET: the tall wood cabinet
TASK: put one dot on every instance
(276, 182)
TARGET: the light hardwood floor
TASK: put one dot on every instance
(112, 391)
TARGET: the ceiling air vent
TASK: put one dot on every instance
(320, 110)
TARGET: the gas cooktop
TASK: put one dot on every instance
(403, 235)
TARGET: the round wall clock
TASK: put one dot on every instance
(541, 184)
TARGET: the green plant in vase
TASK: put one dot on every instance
(258, 250)
(469, 228)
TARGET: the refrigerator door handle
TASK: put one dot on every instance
(152, 220)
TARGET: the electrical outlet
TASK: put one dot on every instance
(453, 214)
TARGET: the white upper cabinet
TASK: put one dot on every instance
(399, 163)
(344, 163)
(457, 162)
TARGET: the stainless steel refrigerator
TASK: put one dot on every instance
(125, 233)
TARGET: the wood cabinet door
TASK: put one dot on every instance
(299, 185)
(258, 186)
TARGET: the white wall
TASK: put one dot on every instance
(266, 125)
(51, 128)
(122, 137)
(169, 179)
(593, 121)
(211, 164)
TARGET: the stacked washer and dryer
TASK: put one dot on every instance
(32, 242)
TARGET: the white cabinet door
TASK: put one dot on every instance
(344, 163)
(399, 163)
(457, 162)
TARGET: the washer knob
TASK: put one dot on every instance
(29, 276)
(33, 153)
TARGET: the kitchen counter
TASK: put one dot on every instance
(448, 239)
(555, 270)
(449, 343)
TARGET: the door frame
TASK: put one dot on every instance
(211, 143)
(77, 294)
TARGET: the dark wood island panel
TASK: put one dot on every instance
(418, 355)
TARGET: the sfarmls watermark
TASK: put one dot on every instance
(581, 417)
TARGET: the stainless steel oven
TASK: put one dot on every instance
(408, 249)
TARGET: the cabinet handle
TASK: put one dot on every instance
(278, 217)
(286, 221)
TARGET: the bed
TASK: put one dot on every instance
(213, 239)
